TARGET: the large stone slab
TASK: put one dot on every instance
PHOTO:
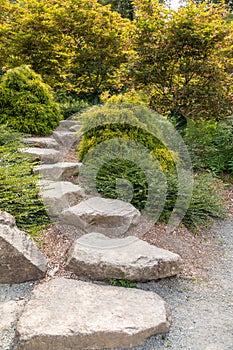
(65, 138)
(46, 155)
(58, 171)
(42, 142)
(20, 259)
(99, 258)
(59, 195)
(66, 314)
(110, 216)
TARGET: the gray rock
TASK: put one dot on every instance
(76, 127)
(67, 124)
(66, 314)
(46, 155)
(42, 142)
(20, 259)
(110, 216)
(7, 219)
(58, 171)
(60, 195)
(99, 258)
(10, 312)
(65, 138)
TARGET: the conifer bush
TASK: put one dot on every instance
(26, 103)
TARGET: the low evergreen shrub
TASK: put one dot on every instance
(26, 103)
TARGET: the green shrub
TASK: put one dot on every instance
(26, 103)
(210, 145)
(18, 191)
(132, 178)
(206, 202)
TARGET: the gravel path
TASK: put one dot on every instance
(202, 313)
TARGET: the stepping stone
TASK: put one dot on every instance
(75, 315)
(100, 258)
(75, 128)
(42, 142)
(110, 216)
(66, 138)
(20, 259)
(46, 155)
(58, 171)
(59, 195)
(67, 124)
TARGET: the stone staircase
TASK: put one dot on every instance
(68, 313)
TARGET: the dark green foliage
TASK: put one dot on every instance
(210, 145)
(26, 103)
(206, 202)
(18, 191)
(70, 104)
(122, 283)
(109, 177)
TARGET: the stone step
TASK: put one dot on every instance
(20, 259)
(76, 127)
(46, 155)
(75, 315)
(42, 142)
(100, 258)
(59, 195)
(104, 215)
(58, 171)
(66, 139)
(67, 124)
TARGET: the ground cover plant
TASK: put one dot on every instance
(18, 189)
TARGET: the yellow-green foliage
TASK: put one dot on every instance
(18, 189)
(132, 96)
(26, 103)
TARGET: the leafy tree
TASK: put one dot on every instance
(78, 45)
(124, 7)
(183, 59)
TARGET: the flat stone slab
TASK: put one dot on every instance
(42, 142)
(20, 259)
(58, 171)
(46, 155)
(66, 314)
(66, 138)
(67, 124)
(100, 258)
(59, 195)
(109, 216)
